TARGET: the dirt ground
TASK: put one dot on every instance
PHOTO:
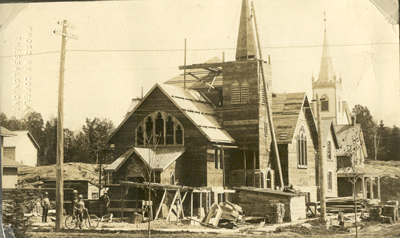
(371, 230)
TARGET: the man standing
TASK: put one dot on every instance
(79, 208)
(45, 206)
(104, 202)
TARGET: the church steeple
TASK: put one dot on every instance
(326, 71)
(246, 45)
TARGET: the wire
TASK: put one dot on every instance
(214, 49)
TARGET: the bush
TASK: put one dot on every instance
(21, 202)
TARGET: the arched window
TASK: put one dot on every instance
(302, 148)
(179, 135)
(324, 103)
(244, 92)
(170, 131)
(160, 129)
(235, 93)
(328, 150)
(139, 136)
(329, 178)
(149, 131)
(339, 104)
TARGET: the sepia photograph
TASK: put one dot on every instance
(199, 118)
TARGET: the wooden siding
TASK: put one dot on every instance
(10, 177)
(214, 175)
(165, 176)
(245, 134)
(156, 101)
(259, 204)
(302, 178)
(26, 152)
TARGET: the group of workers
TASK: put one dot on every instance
(78, 206)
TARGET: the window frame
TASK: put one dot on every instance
(330, 181)
(163, 142)
(302, 160)
(324, 103)
(328, 150)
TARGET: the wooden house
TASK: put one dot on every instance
(9, 167)
(22, 148)
(211, 128)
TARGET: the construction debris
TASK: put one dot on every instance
(224, 214)
(344, 204)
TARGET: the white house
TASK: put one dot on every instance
(9, 168)
(22, 148)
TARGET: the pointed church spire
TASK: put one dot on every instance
(246, 45)
(326, 71)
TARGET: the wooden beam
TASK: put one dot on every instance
(379, 187)
(203, 66)
(223, 166)
(122, 209)
(161, 203)
(181, 204)
(245, 161)
(254, 168)
(268, 104)
(191, 74)
(172, 204)
(191, 204)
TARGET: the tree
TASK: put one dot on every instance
(394, 144)
(96, 132)
(50, 142)
(368, 126)
(352, 147)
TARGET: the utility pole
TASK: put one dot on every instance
(60, 126)
(321, 163)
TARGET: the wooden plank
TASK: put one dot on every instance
(113, 209)
(161, 203)
(172, 204)
(191, 204)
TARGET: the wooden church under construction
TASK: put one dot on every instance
(217, 133)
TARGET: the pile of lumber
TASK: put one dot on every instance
(344, 204)
(224, 211)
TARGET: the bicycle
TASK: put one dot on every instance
(91, 221)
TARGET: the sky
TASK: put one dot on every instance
(123, 46)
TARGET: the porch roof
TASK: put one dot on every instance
(114, 166)
(348, 171)
(158, 159)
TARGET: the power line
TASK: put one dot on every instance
(209, 49)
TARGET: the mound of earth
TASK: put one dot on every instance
(384, 168)
(72, 171)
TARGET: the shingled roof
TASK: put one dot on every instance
(194, 77)
(345, 133)
(286, 108)
(196, 107)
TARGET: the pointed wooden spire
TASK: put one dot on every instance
(326, 71)
(246, 46)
